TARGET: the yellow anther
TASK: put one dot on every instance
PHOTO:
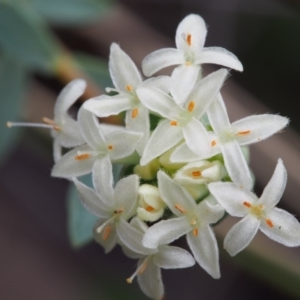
(191, 106)
(82, 156)
(196, 173)
(244, 132)
(129, 88)
(188, 63)
(106, 232)
(195, 231)
(189, 39)
(180, 208)
(134, 113)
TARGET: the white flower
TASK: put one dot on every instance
(108, 204)
(192, 219)
(258, 213)
(228, 138)
(151, 207)
(64, 129)
(151, 260)
(183, 120)
(126, 79)
(80, 160)
(190, 54)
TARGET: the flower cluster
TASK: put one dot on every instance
(183, 159)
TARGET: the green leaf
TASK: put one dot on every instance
(12, 86)
(95, 68)
(80, 221)
(25, 36)
(71, 11)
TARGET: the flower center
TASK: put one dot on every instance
(258, 211)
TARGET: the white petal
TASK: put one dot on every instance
(132, 238)
(236, 165)
(205, 92)
(57, 151)
(159, 102)
(183, 153)
(194, 26)
(68, 166)
(232, 197)
(162, 83)
(105, 106)
(205, 249)
(183, 81)
(208, 213)
(91, 201)
(217, 115)
(103, 178)
(160, 59)
(150, 281)
(140, 123)
(110, 241)
(164, 137)
(172, 193)
(219, 56)
(126, 195)
(70, 135)
(241, 234)
(122, 143)
(260, 127)
(285, 230)
(275, 188)
(170, 257)
(165, 232)
(122, 69)
(90, 129)
(68, 97)
(196, 138)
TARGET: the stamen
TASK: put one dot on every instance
(149, 208)
(180, 208)
(193, 222)
(189, 39)
(269, 223)
(173, 123)
(110, 147)
(191, 106)
(134, 113)
(247, 204)
(188, 63)
(195, 231)
(129, 88)
(24, 124)
(213, 143)
(244, 132)
(196, 173)
(105, 224)
(49, 121)
(82, 156)
(140, 270)
(107, 231)
(119, 211)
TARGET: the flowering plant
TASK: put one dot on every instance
(182, 174)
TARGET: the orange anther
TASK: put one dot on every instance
(134, 113)
(149, 208)
(173, 123)
(189, 39)
(180, 208)
(269, 223)
(213, 143)
(106, 232)
(129, 88)
(191, 106)
(188, 63)
(244, 132)
(110, 147)
(196, 173)
(195, 231)
(247, 204)
(82, 156)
